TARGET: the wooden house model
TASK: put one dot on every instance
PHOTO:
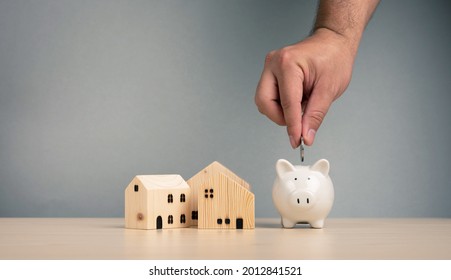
(221, 199)
(213, 198)
(157, 201)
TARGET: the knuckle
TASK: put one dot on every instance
(261, 110)
(258, 101)
(285, 57)
(289, 102)
(317, 116)
(261, 105)
(280, 122)
(286, 105)
(269, 57)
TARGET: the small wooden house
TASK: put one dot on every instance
(157, 201)
(221, 199)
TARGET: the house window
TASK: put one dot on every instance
(170, 219)
(170, 198)
(194, 215)
(182, 219)
(136, 188)
(208, 191)
(182, 197)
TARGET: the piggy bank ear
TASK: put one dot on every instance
(283, 166)
(321, 166)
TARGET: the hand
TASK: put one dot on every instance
(300, 82)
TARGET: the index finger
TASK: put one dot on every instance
(290, 84)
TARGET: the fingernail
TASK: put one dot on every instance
(293, 142)
(311, 135)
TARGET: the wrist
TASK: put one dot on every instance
(348, 41)
(346, 19)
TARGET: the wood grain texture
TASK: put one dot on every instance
(106, 238)
(202, 176)
(151, 201)
(138, 208)
(230, 200)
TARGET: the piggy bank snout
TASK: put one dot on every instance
(302, 199)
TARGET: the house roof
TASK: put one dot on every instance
(216, 167)
(171, 181)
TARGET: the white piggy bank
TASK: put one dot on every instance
(303, 194)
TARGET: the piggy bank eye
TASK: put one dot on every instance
(295, 179)
(308, 178)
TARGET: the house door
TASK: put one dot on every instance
(159, 222)
(239, 223)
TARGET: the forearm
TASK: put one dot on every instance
(346, 18)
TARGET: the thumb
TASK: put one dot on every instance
(315, 111)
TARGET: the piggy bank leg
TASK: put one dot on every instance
(287, 223)
(317, 224)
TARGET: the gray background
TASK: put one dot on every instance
(93, 93)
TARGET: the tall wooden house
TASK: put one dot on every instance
(221, 199)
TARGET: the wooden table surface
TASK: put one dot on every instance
(106, 238)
